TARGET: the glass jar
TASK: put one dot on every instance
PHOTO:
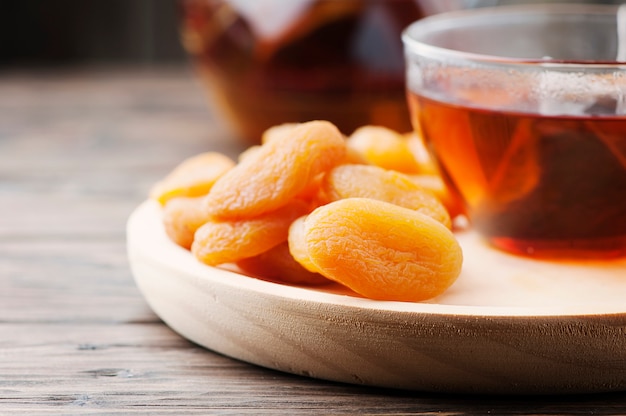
(268, 62)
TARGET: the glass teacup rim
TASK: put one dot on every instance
(447, 20)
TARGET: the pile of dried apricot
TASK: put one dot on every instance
(310, 206)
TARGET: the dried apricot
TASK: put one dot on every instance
(382, 251)
(193, 177)
(278, 264)
(182, 217)
(277, 172)
(383, 147)
(421, 154)
(377, 224)
(297, 244)
(250, 150)
(224, 241)
(436, 185)
(277, 131)
(368, 181)
(352, 156)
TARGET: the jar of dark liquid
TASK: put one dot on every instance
(268, 62)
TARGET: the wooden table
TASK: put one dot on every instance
(79, 150)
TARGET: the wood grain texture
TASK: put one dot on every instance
(78, 152)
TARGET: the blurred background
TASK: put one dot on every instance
(38, 33)
(78, 32)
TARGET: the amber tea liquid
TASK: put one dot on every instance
(340, 61)
(549, 186)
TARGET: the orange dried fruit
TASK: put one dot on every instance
(250, 150)
(355, 157)
(311, 192)
(277, 172)
(193, 177)
(278, 264)
(182, 217)
(224, 241)
(277, 131)
(420, 152)
(437, 186)
(369, 181)
(381, 250)
(297, 244)
(383, 147)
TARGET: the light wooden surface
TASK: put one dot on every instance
(78, 152)
(461, 344)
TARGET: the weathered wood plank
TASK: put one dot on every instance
(73, 280)
(78, 152)
(140, 368)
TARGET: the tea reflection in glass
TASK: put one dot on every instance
(524, 109)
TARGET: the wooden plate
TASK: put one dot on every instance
(508, 325)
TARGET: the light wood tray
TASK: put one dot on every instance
(509, 325)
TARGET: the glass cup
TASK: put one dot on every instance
(268, 62)
(524, 110)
